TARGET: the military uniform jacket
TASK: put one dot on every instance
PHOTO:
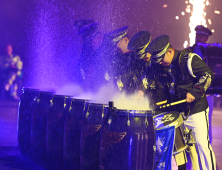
(127, 73)
(121, 70)
(150, 84)
(189, 73)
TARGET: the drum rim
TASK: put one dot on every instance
(28, 89)
(62, 96)
(165, 113)
(133, 110)
(176, 123)
(133, 113)
(39, 90)
(80, 100)
(98, 105)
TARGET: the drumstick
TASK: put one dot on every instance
(174, 103)
(163, 102)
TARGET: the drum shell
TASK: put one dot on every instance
(72, 134)
(127, 145)
(176, 120)
(55, 131)
(26, 107)
(39, 126)
(90, 136)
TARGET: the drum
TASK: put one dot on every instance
(39, 126)
(173, 119)
(55, 131)
(90, 136)
(27, 106)
(127, 140)
(72, 134)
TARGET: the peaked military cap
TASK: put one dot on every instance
(116, 35)
(200, 29)
(82, 23)
(139, 42)
(86, 28)
(158, 48)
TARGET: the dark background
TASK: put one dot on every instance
(43, 33)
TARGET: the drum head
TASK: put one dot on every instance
(167, 119)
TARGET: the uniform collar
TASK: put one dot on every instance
(176, 54)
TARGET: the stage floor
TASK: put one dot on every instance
(10, 158)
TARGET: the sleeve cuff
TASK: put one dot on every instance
(196, 92)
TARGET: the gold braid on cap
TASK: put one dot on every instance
(141, 52)
(157, 60)
(120, 37)
(162, 52)
(142, 56)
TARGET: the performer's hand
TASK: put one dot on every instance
(190, 98)
(140, 94)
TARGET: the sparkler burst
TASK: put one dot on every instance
(197, 17)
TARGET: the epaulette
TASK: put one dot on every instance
(183, 55)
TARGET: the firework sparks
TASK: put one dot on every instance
(197, 17)
(185, 44)
(209, 21)
(217, 12)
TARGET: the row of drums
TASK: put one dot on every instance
(61, 132)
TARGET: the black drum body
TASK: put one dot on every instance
(127, 141)
(39, 126)
(169, 119)
(27, 106)
(55, 131)
(91, 135)
(72, 134)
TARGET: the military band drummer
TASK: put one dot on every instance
(188, 78)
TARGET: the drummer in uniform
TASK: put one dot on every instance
(202, 36)
(188, 78)
(121, 61)
(149, 84)
(92, 40)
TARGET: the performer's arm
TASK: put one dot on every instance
(204, 75)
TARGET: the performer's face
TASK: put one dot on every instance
(167, 60)
(147, 57)
(200, 38)
(121, 46)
